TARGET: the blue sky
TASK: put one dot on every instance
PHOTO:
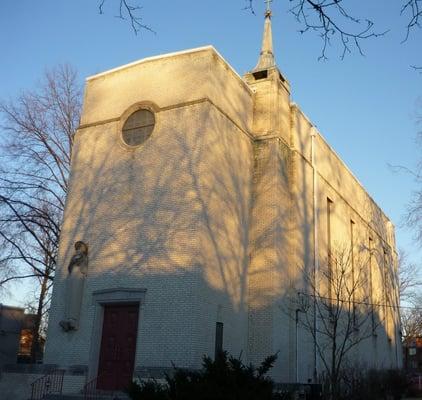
(364, 106)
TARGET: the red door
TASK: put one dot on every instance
(118, 345)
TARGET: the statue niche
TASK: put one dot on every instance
(75, 280)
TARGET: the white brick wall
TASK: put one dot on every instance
(153, 219)
(213, 225)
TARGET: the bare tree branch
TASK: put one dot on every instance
(38, 130)
(341, 315)
(129, 11)
(414, 9)
(413, 216)
(410, 281)
(411, 321)
(16, 277)
(249, 6)
(330, 19)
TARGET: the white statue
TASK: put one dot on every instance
(78, 269)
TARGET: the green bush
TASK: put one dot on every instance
(225, 378)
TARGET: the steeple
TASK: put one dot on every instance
(271, 90)
(266, 57)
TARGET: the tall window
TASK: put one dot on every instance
(352, 266)
(371, 284)
(218, 338)
(386, 287)
(329, 247)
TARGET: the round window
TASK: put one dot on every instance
(138, 127)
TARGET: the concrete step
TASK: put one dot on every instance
(102, 396)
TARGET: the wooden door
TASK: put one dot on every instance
(118, 346)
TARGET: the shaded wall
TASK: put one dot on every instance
(169, 217)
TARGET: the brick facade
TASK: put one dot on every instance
(210, 220)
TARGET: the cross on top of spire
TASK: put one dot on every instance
(268, 10)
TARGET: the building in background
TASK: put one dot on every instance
(16, 329)
(412, 355)
(201, 203)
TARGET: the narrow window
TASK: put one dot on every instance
(353, 277)
(329, 248)
(385, 290)
(371, 287)
(218, 338)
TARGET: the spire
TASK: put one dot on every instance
(266, 57)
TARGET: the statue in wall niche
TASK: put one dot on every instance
(75, 280)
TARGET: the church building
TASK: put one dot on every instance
(206, 213)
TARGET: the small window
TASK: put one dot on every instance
(138, 127)
(260, 75)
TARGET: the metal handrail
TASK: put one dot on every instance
(92, 393)
(51, 383)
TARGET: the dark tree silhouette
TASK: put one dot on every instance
(37, 131)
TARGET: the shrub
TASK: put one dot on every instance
(225, 378)
(357, 383)
(147, 390)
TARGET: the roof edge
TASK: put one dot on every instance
(347, 168)
(167, 55)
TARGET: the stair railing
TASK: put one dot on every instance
(51, 383)
(92, 393)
